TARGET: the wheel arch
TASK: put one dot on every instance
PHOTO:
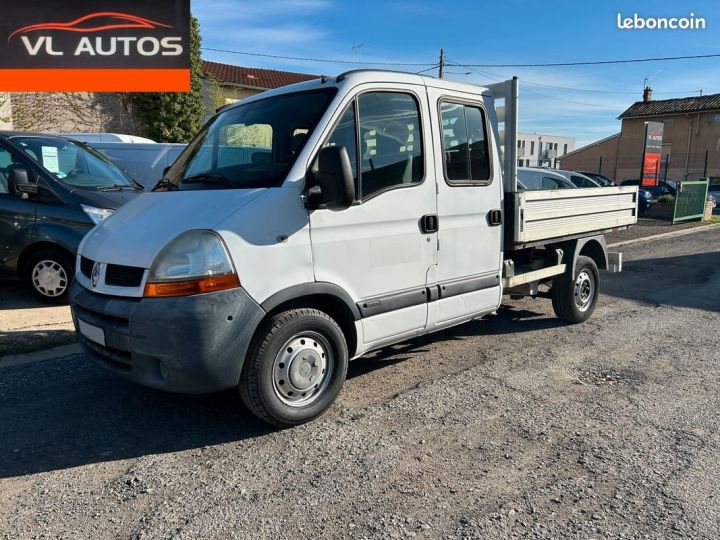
(38, 246)
(325, 297)
(593, 247)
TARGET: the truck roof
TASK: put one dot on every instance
(359, 76)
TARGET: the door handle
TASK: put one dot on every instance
(495, 218)
(429, 224)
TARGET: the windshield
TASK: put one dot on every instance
(249, 146)
(73, 163)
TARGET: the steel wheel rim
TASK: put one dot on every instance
(584, 291)
(302, 369)
(49, 278)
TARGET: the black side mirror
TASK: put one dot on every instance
(331, 180)
(19, 182)
(165, 170)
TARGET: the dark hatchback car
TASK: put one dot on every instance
(52, 192)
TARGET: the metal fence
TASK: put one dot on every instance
(690, 200)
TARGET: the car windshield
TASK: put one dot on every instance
(74, 163)
(249, 146)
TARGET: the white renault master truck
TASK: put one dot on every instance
(308, 225)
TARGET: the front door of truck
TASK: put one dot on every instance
(470, 195)
(17, 215)
(381, 249)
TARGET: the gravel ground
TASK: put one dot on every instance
(513, 426)
(27, 325)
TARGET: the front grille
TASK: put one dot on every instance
(123, 276)
(115, 274)
(86, 266)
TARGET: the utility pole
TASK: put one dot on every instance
(441, 65)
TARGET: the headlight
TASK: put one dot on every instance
(97, 215)
(196, 262)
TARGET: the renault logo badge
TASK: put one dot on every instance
(95, 275)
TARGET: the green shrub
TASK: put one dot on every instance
(175, 117)
(666, 199)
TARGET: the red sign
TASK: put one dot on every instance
(652, 153)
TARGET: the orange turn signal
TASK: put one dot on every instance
(191, 287)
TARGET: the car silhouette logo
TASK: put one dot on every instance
(95, 276)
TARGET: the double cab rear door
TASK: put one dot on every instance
(420, 249)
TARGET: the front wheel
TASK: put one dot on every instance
(48, 274)
(295, 368)
(574, 299)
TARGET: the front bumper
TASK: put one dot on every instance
(193, 344)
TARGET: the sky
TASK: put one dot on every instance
(582, 101)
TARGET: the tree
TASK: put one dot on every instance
(175, 116)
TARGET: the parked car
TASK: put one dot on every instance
(269, 270)
(577, 179)
(539, 178)
(52, 192)
(664, 187)
(90, 138)
(142, 162)
(601, 179)
(714, 188)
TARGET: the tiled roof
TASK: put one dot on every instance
(265, 79)
(673, 106)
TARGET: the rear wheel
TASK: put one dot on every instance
(574, 298)
(48, 274)
(296, 367)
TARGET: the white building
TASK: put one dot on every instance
(536, 150)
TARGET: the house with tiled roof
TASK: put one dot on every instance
(225, 83)
(691, 140)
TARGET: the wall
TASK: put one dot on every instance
(686, 139)
(589, 158)
(79, 112)
(5, 111)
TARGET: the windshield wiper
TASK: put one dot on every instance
(165, 184)
(119, 187)
(208, 178)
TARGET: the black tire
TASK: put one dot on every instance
(259, 386)
(57, 261)
(565, 304)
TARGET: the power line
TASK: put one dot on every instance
(600, 62)
(322, 60)
(498, 78)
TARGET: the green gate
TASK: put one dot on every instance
(690, 200)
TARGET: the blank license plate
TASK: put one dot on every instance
(93, 333)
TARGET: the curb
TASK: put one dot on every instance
(663, 236)
(39, 356)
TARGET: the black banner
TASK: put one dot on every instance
(90, 34)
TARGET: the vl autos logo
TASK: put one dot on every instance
(95, 46)
(636, 22)
(38, 39)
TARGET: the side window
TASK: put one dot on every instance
(390, 142)
(554, 183)
(7, 161)
(465, 145)
(390, 152)
(345, 134)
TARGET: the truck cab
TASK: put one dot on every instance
(309, 225)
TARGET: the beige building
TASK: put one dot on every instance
(691, 140)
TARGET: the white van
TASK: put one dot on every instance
(311, 224)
